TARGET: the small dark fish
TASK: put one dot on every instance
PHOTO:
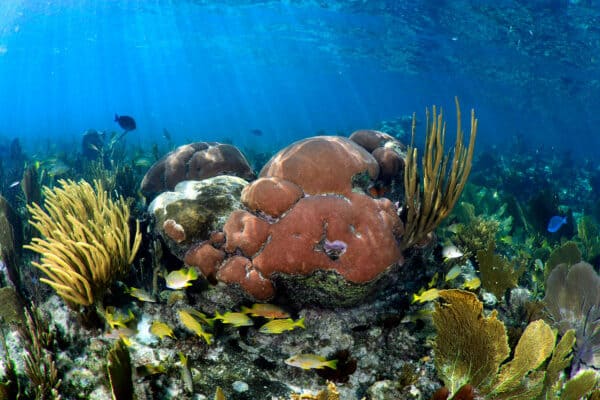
(256, 132)
(125, 122)
(555, 223)
(167, 135)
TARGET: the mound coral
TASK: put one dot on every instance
(309, 232)
(194, 161)
(387, 151)
(86, 243)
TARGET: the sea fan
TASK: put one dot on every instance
(573, 302)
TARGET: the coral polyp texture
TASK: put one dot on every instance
(307, 230)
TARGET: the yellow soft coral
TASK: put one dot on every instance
(86, 240)
(444, 176)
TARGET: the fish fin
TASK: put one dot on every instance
(331, 364)
(207, 337)
(192, 273)
(183, 359)
(245, 310)
(116, 117)
(300, 323)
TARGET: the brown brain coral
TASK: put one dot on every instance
(195, 161)
(308, 233)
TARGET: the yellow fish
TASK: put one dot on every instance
(150, 369)
(116, 319)
(141, 294)
(126, 341)
(219, 395)
(453, 273)
(202, 316)
(186, 374)
(269, 311)
(161, 330)
(281, 325)
(193, 325)
(472, 284)
(423, 314)
(311, 361)
(427, 295)
(236, 319)
(181, 278)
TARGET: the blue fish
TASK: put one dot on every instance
(555, 223)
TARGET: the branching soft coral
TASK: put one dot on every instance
(428, 202)
(86, 240)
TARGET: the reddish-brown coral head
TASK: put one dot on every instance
(370, 139)
(245, 232)
(390, 163)
(206, 258)
(322, 164)
(239, 270)
(174, 230)
(354, 237)
(272, 196)
(195, 161)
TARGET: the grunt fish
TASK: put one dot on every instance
(311, 361)
(236, 319)
(281, 325)
(270, 311)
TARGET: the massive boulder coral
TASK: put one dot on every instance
(195, 161)
(308, 233)
(194, 210)
(387, 151)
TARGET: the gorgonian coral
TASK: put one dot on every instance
(573, 302)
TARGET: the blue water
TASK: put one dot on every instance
(215, 70)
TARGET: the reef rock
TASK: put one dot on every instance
(11, 241)
(195, 210)
(195, 161)
(310, 234)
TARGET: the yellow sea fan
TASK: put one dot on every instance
(85, 244)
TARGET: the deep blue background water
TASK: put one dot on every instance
(214, 70)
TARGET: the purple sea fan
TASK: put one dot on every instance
(573, 302)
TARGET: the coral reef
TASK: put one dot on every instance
(194, 161)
